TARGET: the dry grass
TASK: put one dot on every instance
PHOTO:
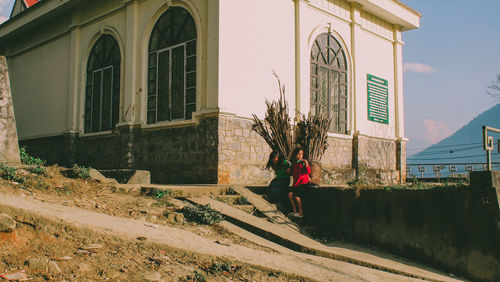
(119, 259)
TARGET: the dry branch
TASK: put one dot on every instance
(312, 135)
(275, 128)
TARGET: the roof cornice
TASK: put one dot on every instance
(30, 15)
(393, 11)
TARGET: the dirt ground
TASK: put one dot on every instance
(83, 254)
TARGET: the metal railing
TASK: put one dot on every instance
(447, 170)
(488, 144)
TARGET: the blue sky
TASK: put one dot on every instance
(448, 63)
(458, 49)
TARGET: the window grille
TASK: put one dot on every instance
(172, 67)
(329, 81)
(102, 94)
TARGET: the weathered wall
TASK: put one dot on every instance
(172, 155)
(454, 229)
(9, 148)
(179, 155)
(242, 153)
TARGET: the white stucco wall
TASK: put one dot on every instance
(39, 82)
(368, 44)
(374, 57)
(333, 18)
(240, 43)
(252, 43)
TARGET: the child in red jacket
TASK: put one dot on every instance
(300, 172)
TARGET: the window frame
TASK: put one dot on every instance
(155, 95)
(101, 70)
(341, 114)
(111, 62)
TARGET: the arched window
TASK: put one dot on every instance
(102, 94)
(329, 81)
(172, 67)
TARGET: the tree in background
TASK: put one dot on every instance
(494, 88)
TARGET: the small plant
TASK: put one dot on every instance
(202, 214)
(162, 193)
(40, 170)
(242, 201)
(219, 267)
(7, 172)
(199, 276)
(231, 191)
(81, 171)
(29, 160)
(37, 183)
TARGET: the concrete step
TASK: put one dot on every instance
(246, 208)
(180, 190)
(269, 210)
(298, 242)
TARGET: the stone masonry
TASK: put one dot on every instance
(9, 147)
(221, 149)
(242, 153)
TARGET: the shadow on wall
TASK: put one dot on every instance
(454, 229)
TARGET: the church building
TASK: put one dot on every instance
(170, 86)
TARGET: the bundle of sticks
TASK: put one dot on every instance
(276, 128)
(312, 135)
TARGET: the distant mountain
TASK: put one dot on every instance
(465, 145)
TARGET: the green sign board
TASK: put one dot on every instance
(378, 99)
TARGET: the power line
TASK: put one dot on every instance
(450, 158)
(446, 146)
(451, 151)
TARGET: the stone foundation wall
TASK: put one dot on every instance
(338, 154)
(454, 229)
(172, 155)
(242, 153)
(220, 149)
(9, 148)
(376, 153)
(179, 155)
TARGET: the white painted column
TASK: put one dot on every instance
(210, 100)
(398, 83)
(76, 79)
(355, 31)
(297, 11)
(131, 106)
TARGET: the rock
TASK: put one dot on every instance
(140, 177)
(84, 267)
(171, 217)
(94, 174)
(17, 276)
(7, 223)
(39, 265)
(179, 217)
(92, 247)
(174, 217)
(152, 276)
(53, 268)
(112, 274)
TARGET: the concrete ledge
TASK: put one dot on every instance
(453, 228)
(128, 176)
(301, 243)
(182, 190)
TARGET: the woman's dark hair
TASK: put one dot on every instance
(272, 156)
(294, 154)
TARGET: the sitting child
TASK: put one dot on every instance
(279, 186)
(300, 172)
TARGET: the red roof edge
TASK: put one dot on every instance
(30, 3)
